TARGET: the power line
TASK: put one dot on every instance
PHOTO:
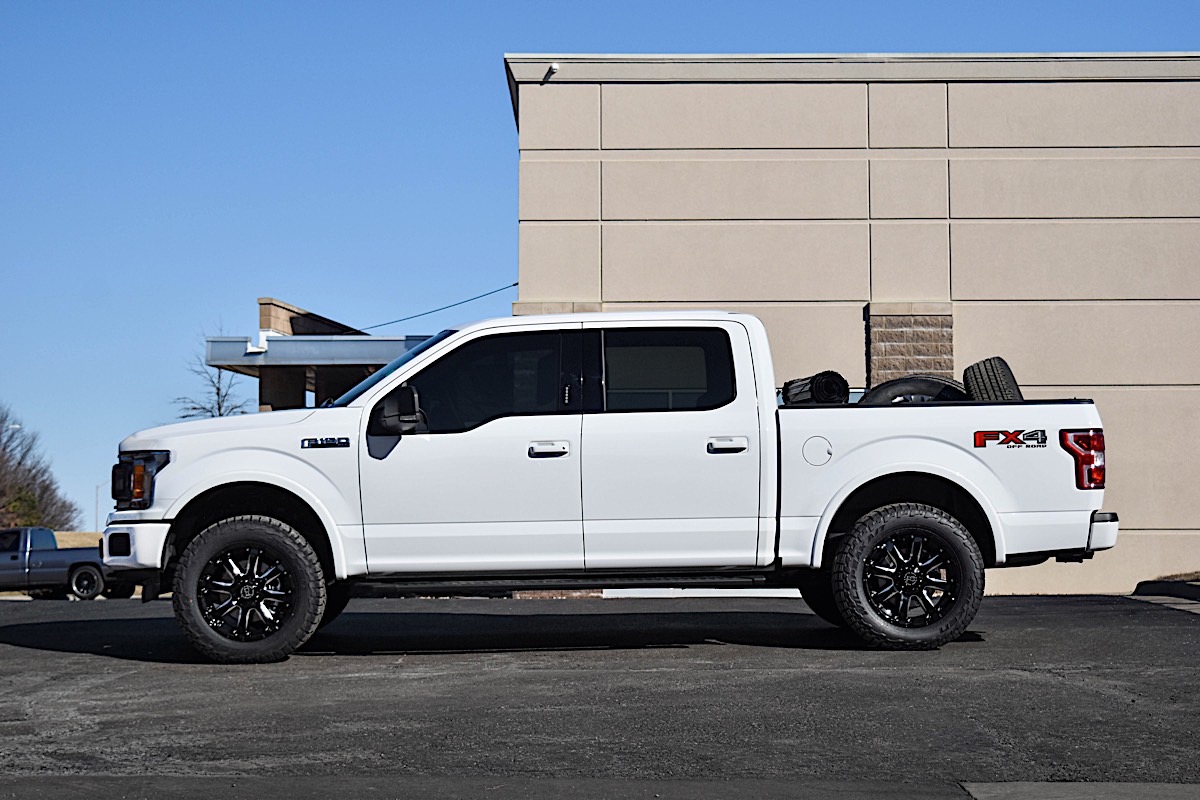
(443, 308)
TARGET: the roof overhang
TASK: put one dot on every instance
(846, 67)
(240, 354)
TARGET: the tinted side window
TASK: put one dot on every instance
(9, 541)
(657, 369)
(42, 539)
(497, 376)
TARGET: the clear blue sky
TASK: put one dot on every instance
(162, 165)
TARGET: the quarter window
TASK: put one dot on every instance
(655, 369)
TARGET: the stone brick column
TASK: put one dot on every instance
(909, 338)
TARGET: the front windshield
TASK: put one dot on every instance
(375, 377)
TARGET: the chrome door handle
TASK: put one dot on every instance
(549, 449)
(728, 444)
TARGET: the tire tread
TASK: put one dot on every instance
(181, 599)
(992, 380)
(948, 628)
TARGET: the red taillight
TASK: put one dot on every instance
(1087, 448)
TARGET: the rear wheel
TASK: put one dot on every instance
(249, 590)
(337, 597)
(85, 582)
(908, 577)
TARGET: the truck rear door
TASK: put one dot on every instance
(670, 446)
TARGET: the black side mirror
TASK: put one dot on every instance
(400, 412)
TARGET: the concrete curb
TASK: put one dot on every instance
(1188, 590)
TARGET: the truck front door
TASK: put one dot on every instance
(12, 566)
(671, 452)
(491, 480)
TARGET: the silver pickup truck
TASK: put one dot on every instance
(31, 561)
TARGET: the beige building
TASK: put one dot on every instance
(1044, 207)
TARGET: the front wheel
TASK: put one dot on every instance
(817, 591)
(248, 590)
(86, 582)
(908, 577)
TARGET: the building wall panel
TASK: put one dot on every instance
(1094, 114)
(709, 262)
(907, 114)
(1077, 260)
(559, 190)
(734, 190)
(559, 117)
(680, 116)
(1074, 187)
(560, 261)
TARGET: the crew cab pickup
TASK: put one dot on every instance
(31, 561)
(601, 450)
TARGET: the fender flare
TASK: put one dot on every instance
(864, 478)
(336, 545)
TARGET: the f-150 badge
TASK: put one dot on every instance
(1011, 438)
(328, 441)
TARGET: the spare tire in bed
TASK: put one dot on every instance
(992, 381)
(915, 389)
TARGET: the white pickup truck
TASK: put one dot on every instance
(601, 450)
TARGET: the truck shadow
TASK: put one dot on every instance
(362, 634)
(455, 631)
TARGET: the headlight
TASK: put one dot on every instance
(133, 477)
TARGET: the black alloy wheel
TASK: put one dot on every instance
(248, 590)
(911, 579)
(245, 593)
(908, 576)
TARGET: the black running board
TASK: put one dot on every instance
(491, 587)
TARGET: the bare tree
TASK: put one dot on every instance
(217, 398)
(29, 493)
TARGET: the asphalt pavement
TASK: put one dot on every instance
(738, 697)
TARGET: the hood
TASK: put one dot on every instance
(267, 419)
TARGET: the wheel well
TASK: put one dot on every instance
(237, 499)
(913, 487)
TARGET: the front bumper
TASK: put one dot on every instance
(135, 546)
(1103, 533)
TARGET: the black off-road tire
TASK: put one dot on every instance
(337, 596)
(817, 591)
(85, 582)
(992, 381)
(861, 595)
(196, 604)
(915, 389)
(119, 591)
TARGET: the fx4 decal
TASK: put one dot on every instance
(328, 441)
(1011, 439)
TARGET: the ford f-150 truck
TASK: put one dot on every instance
(31, 561)
(601, 450)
